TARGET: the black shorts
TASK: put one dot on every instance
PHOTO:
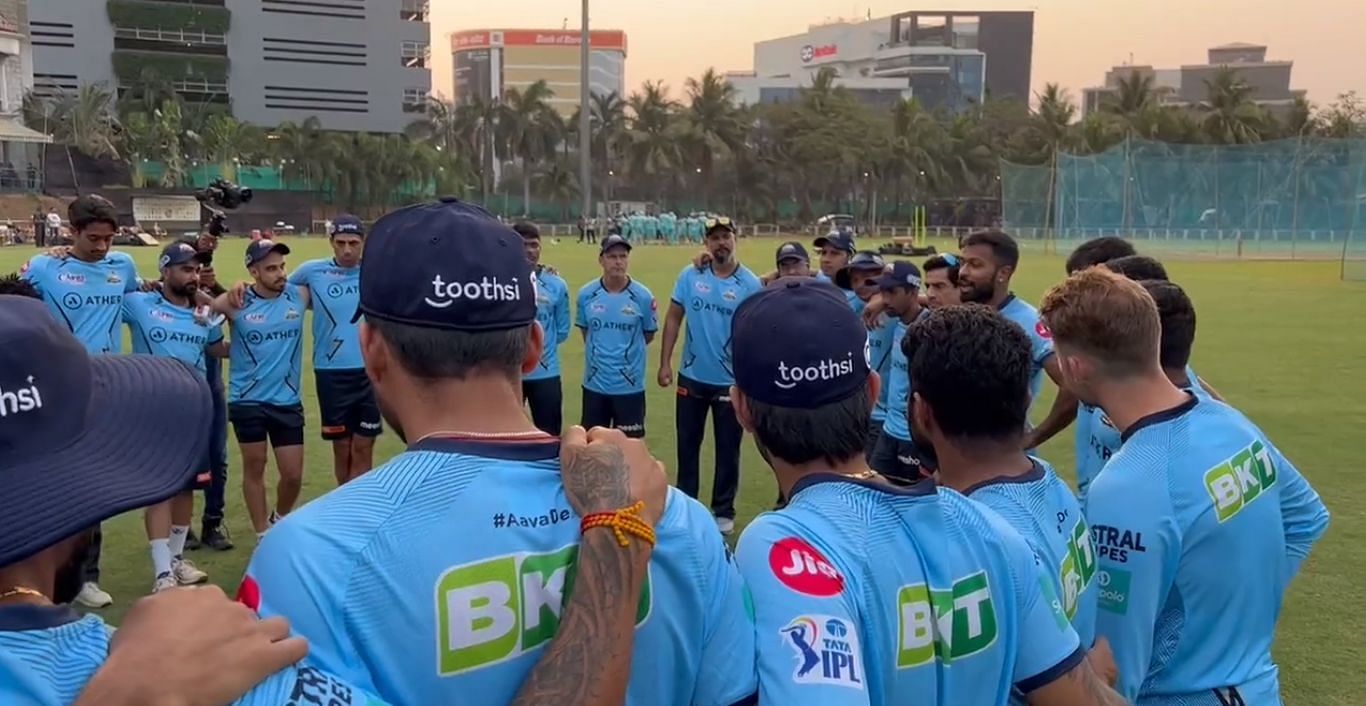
(898, 458)
(346, 403)
(624, 412)
(546, 400)
(254, 422)
(870, 441)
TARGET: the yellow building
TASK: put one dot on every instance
(489, 61)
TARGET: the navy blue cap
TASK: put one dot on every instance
(866, 261)
(84, 438)
(838, 239)
(446, 265)
(257, 250)
(797, 344)
(791, 250)
(902, 274)
(178, 253)
(612, 241)
(347, 224)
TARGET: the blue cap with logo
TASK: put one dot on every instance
(613, 241)
(347, 224)
(447, 265)
(837, 239)
(798, 344)
(84, 438)
(257, 250)
(791, 250)
(178, 253)
(902, 274)
(866, 261)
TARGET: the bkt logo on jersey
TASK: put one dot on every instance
(825, 371)
(445, 293)
(945, 624)
(498, 609)
(22, 400)
(826, 649)
(1078, 567)
(1235, 483)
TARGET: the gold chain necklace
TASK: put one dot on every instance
(535, 434)
(22, 591)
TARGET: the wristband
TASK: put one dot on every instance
(622, 522)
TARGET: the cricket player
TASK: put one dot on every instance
(835, 250)
(380, 576)
(167, 324)
(708, 297)
(1198, 520)
(896, 454)
(84, 291)
(792, 260)
(869, 591)
(618, 318)
(541, 388)
(941, 281)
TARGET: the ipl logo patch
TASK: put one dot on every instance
(826, 651)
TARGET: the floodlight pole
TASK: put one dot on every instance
(585, 120)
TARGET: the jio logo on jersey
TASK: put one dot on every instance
(826, 651)
(802, 568)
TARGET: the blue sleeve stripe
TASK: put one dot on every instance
(1054, 673)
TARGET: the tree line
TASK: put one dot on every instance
(769, 162)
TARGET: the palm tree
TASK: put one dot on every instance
(917, 150)
(559, 183)
(652, 138)
(608, 115)
(225, 141)
(1229, 115)
(1134, 97)
(526, 129)
(714, 131)
(303, 150)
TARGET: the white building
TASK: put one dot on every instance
(19, 160)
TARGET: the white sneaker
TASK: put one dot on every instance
(92, 597)
(164, 582)
(186, 573)
(726, 525)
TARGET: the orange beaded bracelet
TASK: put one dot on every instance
(622, 522)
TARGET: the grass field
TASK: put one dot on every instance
(1284, 342)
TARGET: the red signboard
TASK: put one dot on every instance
(484, 38)
(812, 52)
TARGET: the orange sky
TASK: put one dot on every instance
(1075, 41)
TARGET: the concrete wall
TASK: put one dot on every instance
(72, 44)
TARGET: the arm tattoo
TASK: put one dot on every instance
(588, 662)
(597, 479)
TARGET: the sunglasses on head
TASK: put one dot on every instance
(950, 258)
(718, 221)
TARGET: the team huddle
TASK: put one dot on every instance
(920, 551)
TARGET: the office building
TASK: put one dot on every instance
(19, 159)
(1186, 86)
(360, 65)
(488, 62)
(946, 60)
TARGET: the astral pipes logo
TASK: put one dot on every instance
(824, 371)
(445, 293)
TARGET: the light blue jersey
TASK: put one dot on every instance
(881, 340)
(163, 329)
(266, 350)
(48, 654)
(1097, 438)
(866, 594)
(616, 327)
(897, 424)
(1199, 523)
(86, 296)
(334, 294)
(438, 578)
(1040, 340)
(552, 311)
(1041, 507)
(709, 304)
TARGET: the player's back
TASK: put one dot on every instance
(871, 594)
(1041, 507)
(49, 653)
(1199, 523)
(439, 578)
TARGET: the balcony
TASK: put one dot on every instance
(414, 99)
(178, 37)
(415, 11)
(417, 55)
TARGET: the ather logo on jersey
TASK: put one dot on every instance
(446, 293)
(944, 624)
(802, 568)
(824, 371)
(24, 399)
(498, 609)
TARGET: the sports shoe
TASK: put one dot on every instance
(92, 597)
(192, 542)
(216, 537)
(726, 525)
(186, 573)
(164, 582)
(274, 517)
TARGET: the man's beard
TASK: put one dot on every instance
(721, 257)
(976, 294)
(186, 290)
(71, 576)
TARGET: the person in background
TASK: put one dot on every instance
(618, 318)
(834, 249)
(897, 453)
(542, 387)
(792, 261)
(941, 281)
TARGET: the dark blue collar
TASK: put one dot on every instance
(888, 485)
(1006, 302)
(519, 450)
(1036, 472)
(1165, 415)
(22, 617)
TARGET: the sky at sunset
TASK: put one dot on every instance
(1075, 41)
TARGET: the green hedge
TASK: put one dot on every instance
(129, 65)
(148, 14)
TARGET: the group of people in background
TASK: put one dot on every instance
(640, 227)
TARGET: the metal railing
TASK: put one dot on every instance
(177, 36)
